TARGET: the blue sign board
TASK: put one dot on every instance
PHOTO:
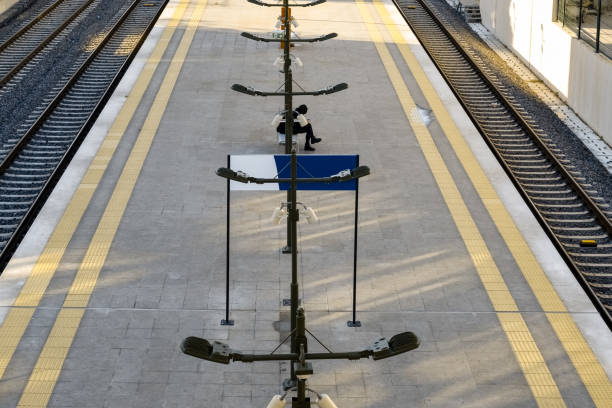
(308, 166)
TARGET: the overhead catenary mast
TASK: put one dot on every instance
(292, 209)
(300, 367)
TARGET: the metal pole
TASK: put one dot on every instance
(598, 27)
(354, 322)
(300, 400)
(227, 321)
(302, 346)
(288, 80)
(288, 102)
(292, 219)
(580, 19)
(564, 9)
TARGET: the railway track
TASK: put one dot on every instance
(38, 36)
(14, 19)
(569, 209)
(34, 158)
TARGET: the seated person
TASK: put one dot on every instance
(300, 125)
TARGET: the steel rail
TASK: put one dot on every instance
(10, 157)
(7, 77)
(601, 217)
(25, 28)
(528, 129)
(32, 212)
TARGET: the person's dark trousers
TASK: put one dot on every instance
(297, 128)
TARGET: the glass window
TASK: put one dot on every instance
(585, 18)
(568, 13)
(588, 25)
(605, 33)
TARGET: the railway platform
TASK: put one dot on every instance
(127, 258)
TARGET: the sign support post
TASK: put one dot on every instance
(354, 322)
(227, 321)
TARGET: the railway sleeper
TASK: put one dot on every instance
(574, 228)
(7, 228)
(4, 238)
(54, 139)
(545, 184)
(90, 87)
(557, 205)
(19, 183)
(597, 272)
(71, 100)
(34, 172)
(47, 140)
(485, 114)
(18, 198)
(549, 192)
(583, 236)
(523, 161)
(8, 222)
(508, 133)
(561, 199)
(513, 151)
(25, 163)
(577, 245)
(536, 173)
(26, 191)
(41, 152)
(571, 219)
(10, 175)
(39, 167)
(503, 143)
(524, 165)
(527, 155)
(51, 161)
(598, 286)
(596, 255)
(14, 207)
(66, 119)
(540, 179)
(502, 126)
(495, 123)
(22, 186)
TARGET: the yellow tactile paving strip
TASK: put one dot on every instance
(48, 367)
(536, 372)
(19, 316)
(588, 367)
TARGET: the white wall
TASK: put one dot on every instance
(570, 66)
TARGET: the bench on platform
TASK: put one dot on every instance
(281, 139)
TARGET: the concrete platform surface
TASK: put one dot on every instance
(128, 256)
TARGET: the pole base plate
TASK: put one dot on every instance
(353, 323)
(227, 322)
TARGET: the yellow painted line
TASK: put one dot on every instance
(532, 363)
(587, 366)
(31, 293)
(48, 367)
